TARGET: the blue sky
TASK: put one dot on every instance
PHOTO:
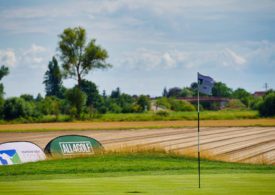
(151, 44)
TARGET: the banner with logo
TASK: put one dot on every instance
(20, 152)
(68, 145)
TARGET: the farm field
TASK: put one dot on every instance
(233, 144)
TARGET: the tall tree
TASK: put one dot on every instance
(77, 100)
(221, 90)
(53, 79)
(267, 107)
(144, 103)
(241, 94)
(165, 92)
(78, 57)
(116, 93)
(186, 92)
(3, 72)
(174, 92)
(90, 89)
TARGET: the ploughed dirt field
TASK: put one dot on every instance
(236, 144)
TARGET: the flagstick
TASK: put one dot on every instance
(199, 160)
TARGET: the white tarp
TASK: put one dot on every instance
(20, 152)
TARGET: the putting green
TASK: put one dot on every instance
(236, 183)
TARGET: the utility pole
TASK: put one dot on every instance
(266, 86)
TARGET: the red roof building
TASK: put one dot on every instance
(259, 93)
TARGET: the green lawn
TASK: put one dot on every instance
(148, 184)
(146, 173)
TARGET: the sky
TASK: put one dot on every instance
(151, 44)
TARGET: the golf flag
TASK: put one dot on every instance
(206, 84)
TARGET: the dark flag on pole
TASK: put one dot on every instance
(205, 85)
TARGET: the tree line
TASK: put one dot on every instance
(77, 58)
(238, 99)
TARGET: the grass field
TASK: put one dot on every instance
(148, 173)
(146, 116)
(205, 115)
(149, 120)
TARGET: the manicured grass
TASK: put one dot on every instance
(157, 173)
(125, 163)
(149, 184)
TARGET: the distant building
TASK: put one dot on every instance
(259, 93)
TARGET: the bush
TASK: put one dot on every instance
(18, 107)
(136, 108)
(181, 105)
(255, 104)
(1, 107)
(267, 107)
(114, 108)
(77, 100)
(235, 104)
(162, 113)
(144, 103)
(163, 102)
(93, 97)
(50, 106)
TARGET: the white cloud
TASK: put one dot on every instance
(163, 7)
(148, 60)
(168, 60)
(34, 49)
(232, 59)
(35, 56)
(158, 7)
(140, 59)
(237, 58)
(232, 56)
(7, 57)
(36, 12)
(126, 20)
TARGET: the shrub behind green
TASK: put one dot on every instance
(17, 107)
(163, 102)
(162, 113)
(235, 104)
(255, 103)
(144, 103)
(77, 100)
(267, 107)
(181, 105)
